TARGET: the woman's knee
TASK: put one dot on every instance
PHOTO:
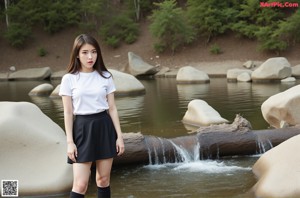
(102, 181)
(80, 186)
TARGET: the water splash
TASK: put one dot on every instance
(184, 159)
(209, 166)
(183, 155)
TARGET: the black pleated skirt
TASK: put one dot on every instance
(95, 137)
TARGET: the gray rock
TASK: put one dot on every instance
(232, 74)
(289, 79)
(249, 64)
(273, 69)
(55, 92)
(31, 74)
(283, 106)
(200, 113)
(296, 71)
(137, 66)
(58, 75)
(126, 84)
(41, 90)
(278, 171)
(4, 76)
(189, 74)
(244, 77)
(33, 150)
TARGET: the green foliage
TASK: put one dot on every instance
(289, 30)
(272, 27)
(270, 41)
(42, 52)
(17, 34)
(94, 14)
(114, 23)
(121, 28)
(159, 48)
(211, 18)
(215, 49)
(51, 15)
(170, 27)
(112, 41)
(55, 15)
(275, 28)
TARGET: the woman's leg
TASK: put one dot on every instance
(81, 175)
(103, 169)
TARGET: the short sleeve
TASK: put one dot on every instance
(65, 86)
(110, 85)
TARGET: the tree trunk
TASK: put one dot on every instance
(6, 15)
(140, 149)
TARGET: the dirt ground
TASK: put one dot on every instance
(235, 52)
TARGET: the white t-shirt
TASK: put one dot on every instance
(88, 91)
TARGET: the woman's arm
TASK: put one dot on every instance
(68, 119)
(113, 112)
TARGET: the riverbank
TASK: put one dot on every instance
(235, 51)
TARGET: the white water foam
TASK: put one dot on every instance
(209, 166)
(204, 166)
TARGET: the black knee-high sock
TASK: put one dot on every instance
(103, 192)
(76, 195)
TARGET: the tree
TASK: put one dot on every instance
(170, 27)
(211, 18)
(6, 15)
(289, 29)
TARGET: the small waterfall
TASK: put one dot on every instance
(162, 151)
(154, 151)
(263, 145)
(183, 155)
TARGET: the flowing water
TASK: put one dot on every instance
(159, 113)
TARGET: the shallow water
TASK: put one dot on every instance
(159, 112)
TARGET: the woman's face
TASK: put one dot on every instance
(87, 57)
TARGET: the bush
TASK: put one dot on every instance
(121, 28)
(159, 48)
(42, 52)
(113, 41)
(215, 49)
(170, 27)
(130, 38)
(212, 18)
(17, 34)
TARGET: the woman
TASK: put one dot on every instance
(91, 119)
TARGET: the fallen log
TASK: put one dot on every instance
(144, 149)
(211, 142)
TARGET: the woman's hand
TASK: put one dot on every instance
(120, 146)
(72, 151)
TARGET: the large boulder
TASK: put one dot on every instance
(278, 171)
(31, 74)
(41, 90)
(138, 67)
(199, 113)
(296, 71)
(55, 92)
(33, 150)
(283, 108)
(58, 75)
(126, 84)
(273, 69)
(3, 76)
(189, 74)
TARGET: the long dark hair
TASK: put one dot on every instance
(75, 65)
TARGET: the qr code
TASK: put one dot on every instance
(9, 188)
